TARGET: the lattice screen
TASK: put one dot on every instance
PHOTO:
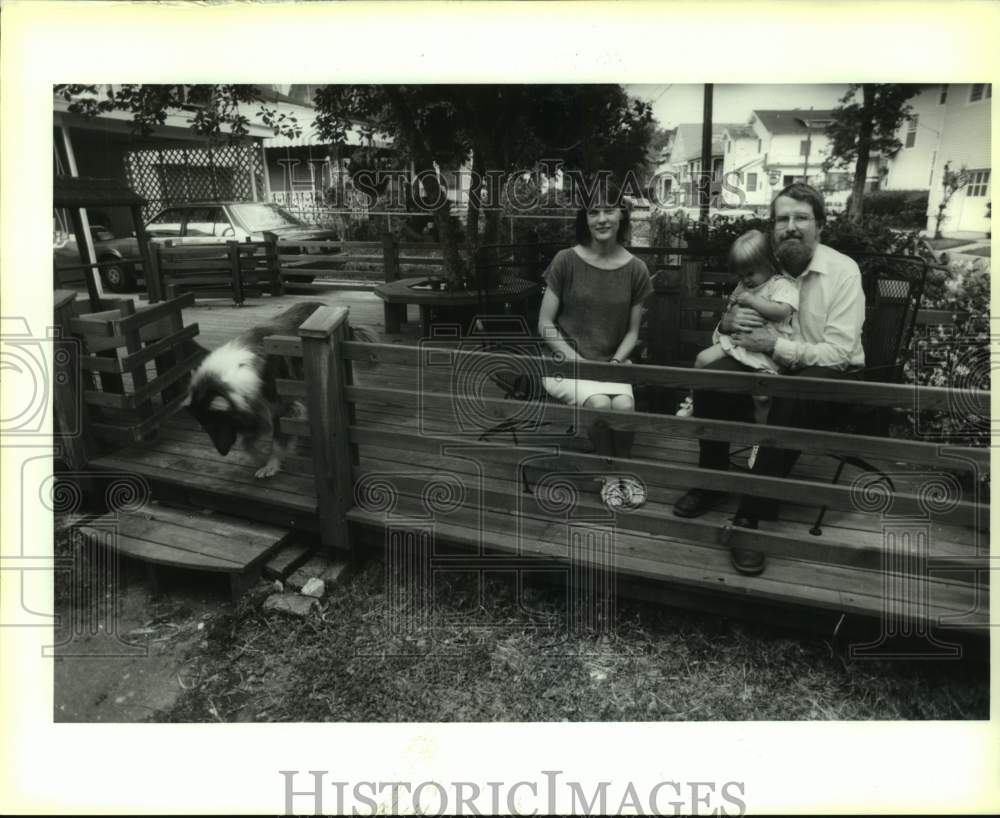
(173, 175)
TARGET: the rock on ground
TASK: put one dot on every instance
(291, 603)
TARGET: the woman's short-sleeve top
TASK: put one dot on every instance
(594, 304)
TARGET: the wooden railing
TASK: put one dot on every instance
(346, 406)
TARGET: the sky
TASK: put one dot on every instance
(674, 104)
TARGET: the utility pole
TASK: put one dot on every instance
(805, 170)
(705, 183)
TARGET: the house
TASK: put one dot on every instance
(680, 163)
(172, 164)
(913, 167)
(307, 173)
(964, 143)
(778, 147)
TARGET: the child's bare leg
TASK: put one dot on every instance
(709, 356)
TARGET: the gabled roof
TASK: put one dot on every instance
(741, 132)
(690, 133)
(786, 121)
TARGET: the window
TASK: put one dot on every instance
(729, 146)
(758, 146)
(979, 181)
(979, 90)
(751, 182)
(944, 95)
(911, 134)
(789, 180)
(166, 224)
(804, 147)
(207, 221)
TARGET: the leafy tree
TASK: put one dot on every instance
(952, 181)
(212, 107)
(866, 121)
(502, 128)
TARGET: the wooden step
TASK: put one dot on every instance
(191, 539)
(287, 558)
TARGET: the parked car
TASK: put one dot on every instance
(118, 276)
(195, 224)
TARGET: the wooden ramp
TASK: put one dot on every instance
(191, 539)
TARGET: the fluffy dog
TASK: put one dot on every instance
(233, 392)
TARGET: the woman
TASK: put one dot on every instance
(591, 312)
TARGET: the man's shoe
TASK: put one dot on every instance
(696, 502)
(744, 560)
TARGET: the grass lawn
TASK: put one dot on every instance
(508, 661)
(980, 251)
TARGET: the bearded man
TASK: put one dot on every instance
(825, 343)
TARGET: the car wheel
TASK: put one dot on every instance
(118, 278)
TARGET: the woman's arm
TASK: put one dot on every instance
(548, 330)
(632, 335)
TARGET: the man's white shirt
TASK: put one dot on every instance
(826, 329)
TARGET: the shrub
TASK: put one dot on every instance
(904, 209)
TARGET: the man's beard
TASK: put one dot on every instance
(794, 256)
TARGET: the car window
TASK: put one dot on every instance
(258, 216)
(207, 221)
(101, 234)
(167, 223)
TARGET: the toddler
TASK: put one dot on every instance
(764, 288)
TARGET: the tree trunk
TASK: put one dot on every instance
(478, 171)
(455, 268)
(864, 148)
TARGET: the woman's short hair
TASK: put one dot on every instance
(750, 252)
(610, 195)
(802, 192)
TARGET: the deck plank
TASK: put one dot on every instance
(186, 539)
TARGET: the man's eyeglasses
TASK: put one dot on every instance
(785, 221)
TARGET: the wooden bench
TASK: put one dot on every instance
(403, 467)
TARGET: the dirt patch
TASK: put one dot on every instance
(122, 652)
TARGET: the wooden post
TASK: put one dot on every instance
(68, 410)
(327, 375)
(91, 272)
(394, 314)
(690, 287)
(155, 288)
(234, 264)
(133, 344)
(390, 257)
(665, 341)
(153, 291)
(273, 263)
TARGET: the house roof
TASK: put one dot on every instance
(689, 134)
(741, 132)
(786, 121)
(84, 191)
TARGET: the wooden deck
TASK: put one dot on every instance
(403, 451)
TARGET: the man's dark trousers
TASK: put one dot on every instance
(793, 412)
